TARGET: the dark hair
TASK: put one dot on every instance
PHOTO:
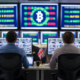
(11, 36)
(68, 37)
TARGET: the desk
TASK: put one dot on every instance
(37, 71)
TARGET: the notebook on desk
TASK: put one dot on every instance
(30, 59)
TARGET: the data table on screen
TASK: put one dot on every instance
(47, 34)
(8, 16)
(62, 32)
(31, 34)
(55, 43)
(70, 16)
(24, 43)
(4, 33)
(39, 16)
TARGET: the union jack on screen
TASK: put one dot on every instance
(41, 53)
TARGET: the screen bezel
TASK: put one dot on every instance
(41, 4)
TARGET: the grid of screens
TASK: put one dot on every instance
(8, 16)
(47, 34)
(54, 43)
(24, 43)
(32, 34)
(70, 16)
(62, 32)
(39, 16)
(4, 33)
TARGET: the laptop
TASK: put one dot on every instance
(30, 59)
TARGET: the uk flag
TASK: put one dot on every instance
(41, 53)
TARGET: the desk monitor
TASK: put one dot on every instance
(78, 34)
(30, 59)
(4, 33)
(8, 16)
(48, 34)
(53, 44)
(77, 42)
(32, 34)
(26, 44)
(62, 32)
(70, 16)
(39, 16)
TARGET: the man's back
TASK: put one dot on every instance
(67, 48)
(11, 47)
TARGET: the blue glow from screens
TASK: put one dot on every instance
(70, 16)
(4, 33)
(8, 16)
(47, 34)
(24, 43)
(39, 16)
(62, 32)
(31, 34)
(54, 43)
(30, 59)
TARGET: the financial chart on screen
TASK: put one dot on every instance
(8, 16)
(39, 16)
(31, 34)
(4, 33)
(47, 34)
(78, 34)
(24, 43)
(62, 32)
(55, 43)
(70, 16)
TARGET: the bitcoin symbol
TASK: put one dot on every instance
(39, 16)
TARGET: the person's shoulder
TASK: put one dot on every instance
(58, 49)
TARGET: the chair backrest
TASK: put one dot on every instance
(10, 63)
(69, 66)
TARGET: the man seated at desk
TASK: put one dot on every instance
(11, 38)
(68, 40)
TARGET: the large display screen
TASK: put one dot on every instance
(39, 16)
(62, 32)
(54, 43)
(70, 16)
(31, 34)
(47, 34)
(8, 16)
(24, 43)
(4, 33)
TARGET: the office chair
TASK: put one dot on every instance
(10, 65)
(69, 66)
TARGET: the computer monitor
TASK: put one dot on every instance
(62, 32)
(48, 34)
(8, 16)
(39, 16)
(77, 42)
(78, 34)
(24, 43)
(32, 34)
(4, 33)
(70, 16)
(53, 44)
(30, 59)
